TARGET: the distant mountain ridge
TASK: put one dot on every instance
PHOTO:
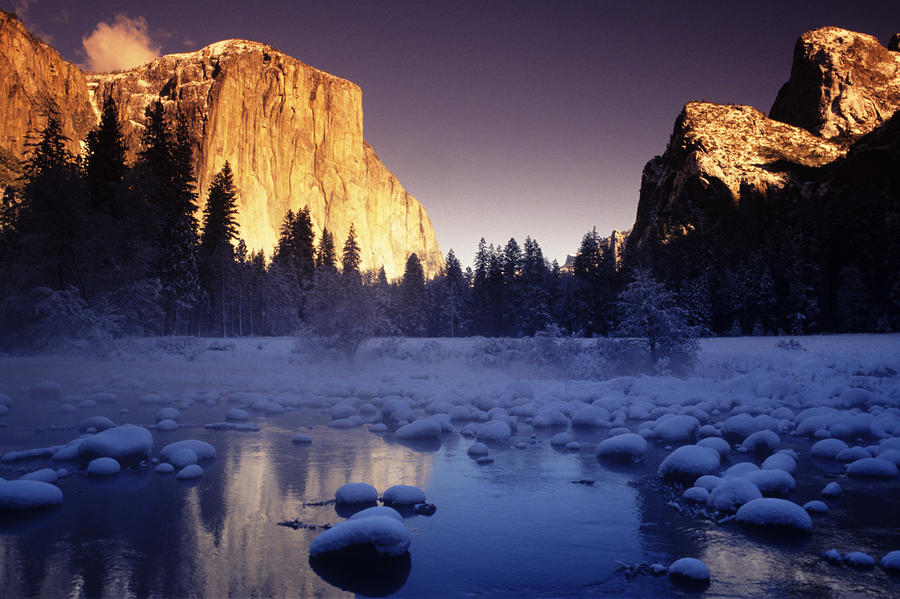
(292, 133)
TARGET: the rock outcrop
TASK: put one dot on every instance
(36, 81)
(722, 159)
(843, 84)
(292, 133)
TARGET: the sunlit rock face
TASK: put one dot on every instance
(728, 168)
(843, 84)
(35, 81)
(292, 133)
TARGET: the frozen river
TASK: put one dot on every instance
(538, 521)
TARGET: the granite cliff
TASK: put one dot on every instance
(292, 133)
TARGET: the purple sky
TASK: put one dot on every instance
(507, 118)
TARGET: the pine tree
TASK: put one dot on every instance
(216, 254)
(326, 258)
(413, 298)
(452, 296)
(105, 165)
(350, 257)
(166, 182)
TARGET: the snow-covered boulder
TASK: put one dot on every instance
(891, 561)
(28, 494)
(764, 441)
(858, 559)
(98, 423)
(689, 568)
(190, 472)
(103, 467)
(478, 450)
(832, 489)
(385, 535)
(740, 469)
(732, 493)
(696, 494)
(356, 493)
(167, 426)
(772, 482)
(237, 415)
(690, 461)
(851, 454)
(377, 510)
(204, 450)
(770, 512)
(164, 468)
(403, 495)
(168, 414)
(561, 439)
(872, 468)
(676, 428)
(708, 481)
(183, 457)
(126, 442)
(780, 461)
(624, 446)
(827, 448)
(717, 443)
(46, 475)
(494, 431)
(301, 439)
(549, 418)
(427, 428)
(816, 507)
(590, 416)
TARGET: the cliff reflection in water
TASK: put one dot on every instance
(145, 534)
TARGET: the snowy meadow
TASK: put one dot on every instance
(173, 467)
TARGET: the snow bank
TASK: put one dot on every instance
(28, 494)
(774, 513)
(385, 535)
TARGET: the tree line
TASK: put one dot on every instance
(92, 245)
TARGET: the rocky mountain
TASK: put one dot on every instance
(292, 133)
(734, 182)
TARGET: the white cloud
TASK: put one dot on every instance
(122, 44)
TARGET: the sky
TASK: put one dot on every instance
(503, 118)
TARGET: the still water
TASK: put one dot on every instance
(519, 527)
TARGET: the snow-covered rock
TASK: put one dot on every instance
(478, 449)
(772, 482)
(732, 493)
(237, 415)
(872, 468)
(696, 494)
(190, 472)
(775, 513)
(204, 450)
(183, 457)
(832, 489)
(403, 495)
(426, 428)
(740, 469)
(494, 431)
(103, 467)
(47, 475)
(827, 448)
(167, 425)
(385, 535)
(764, 441)
(168, 414)
(816, 507)
(549, 418)
(377, 510)
(858, 559)
(124, 442)
(676, 428)
(301, 439)
(561, 439)
(624, 446)
(98, 423)
(891, 561)
(165, 468)
(780, 461)
(690, 461)
(717, 443)
(689, 568)
(356, 493)
(28, 494)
